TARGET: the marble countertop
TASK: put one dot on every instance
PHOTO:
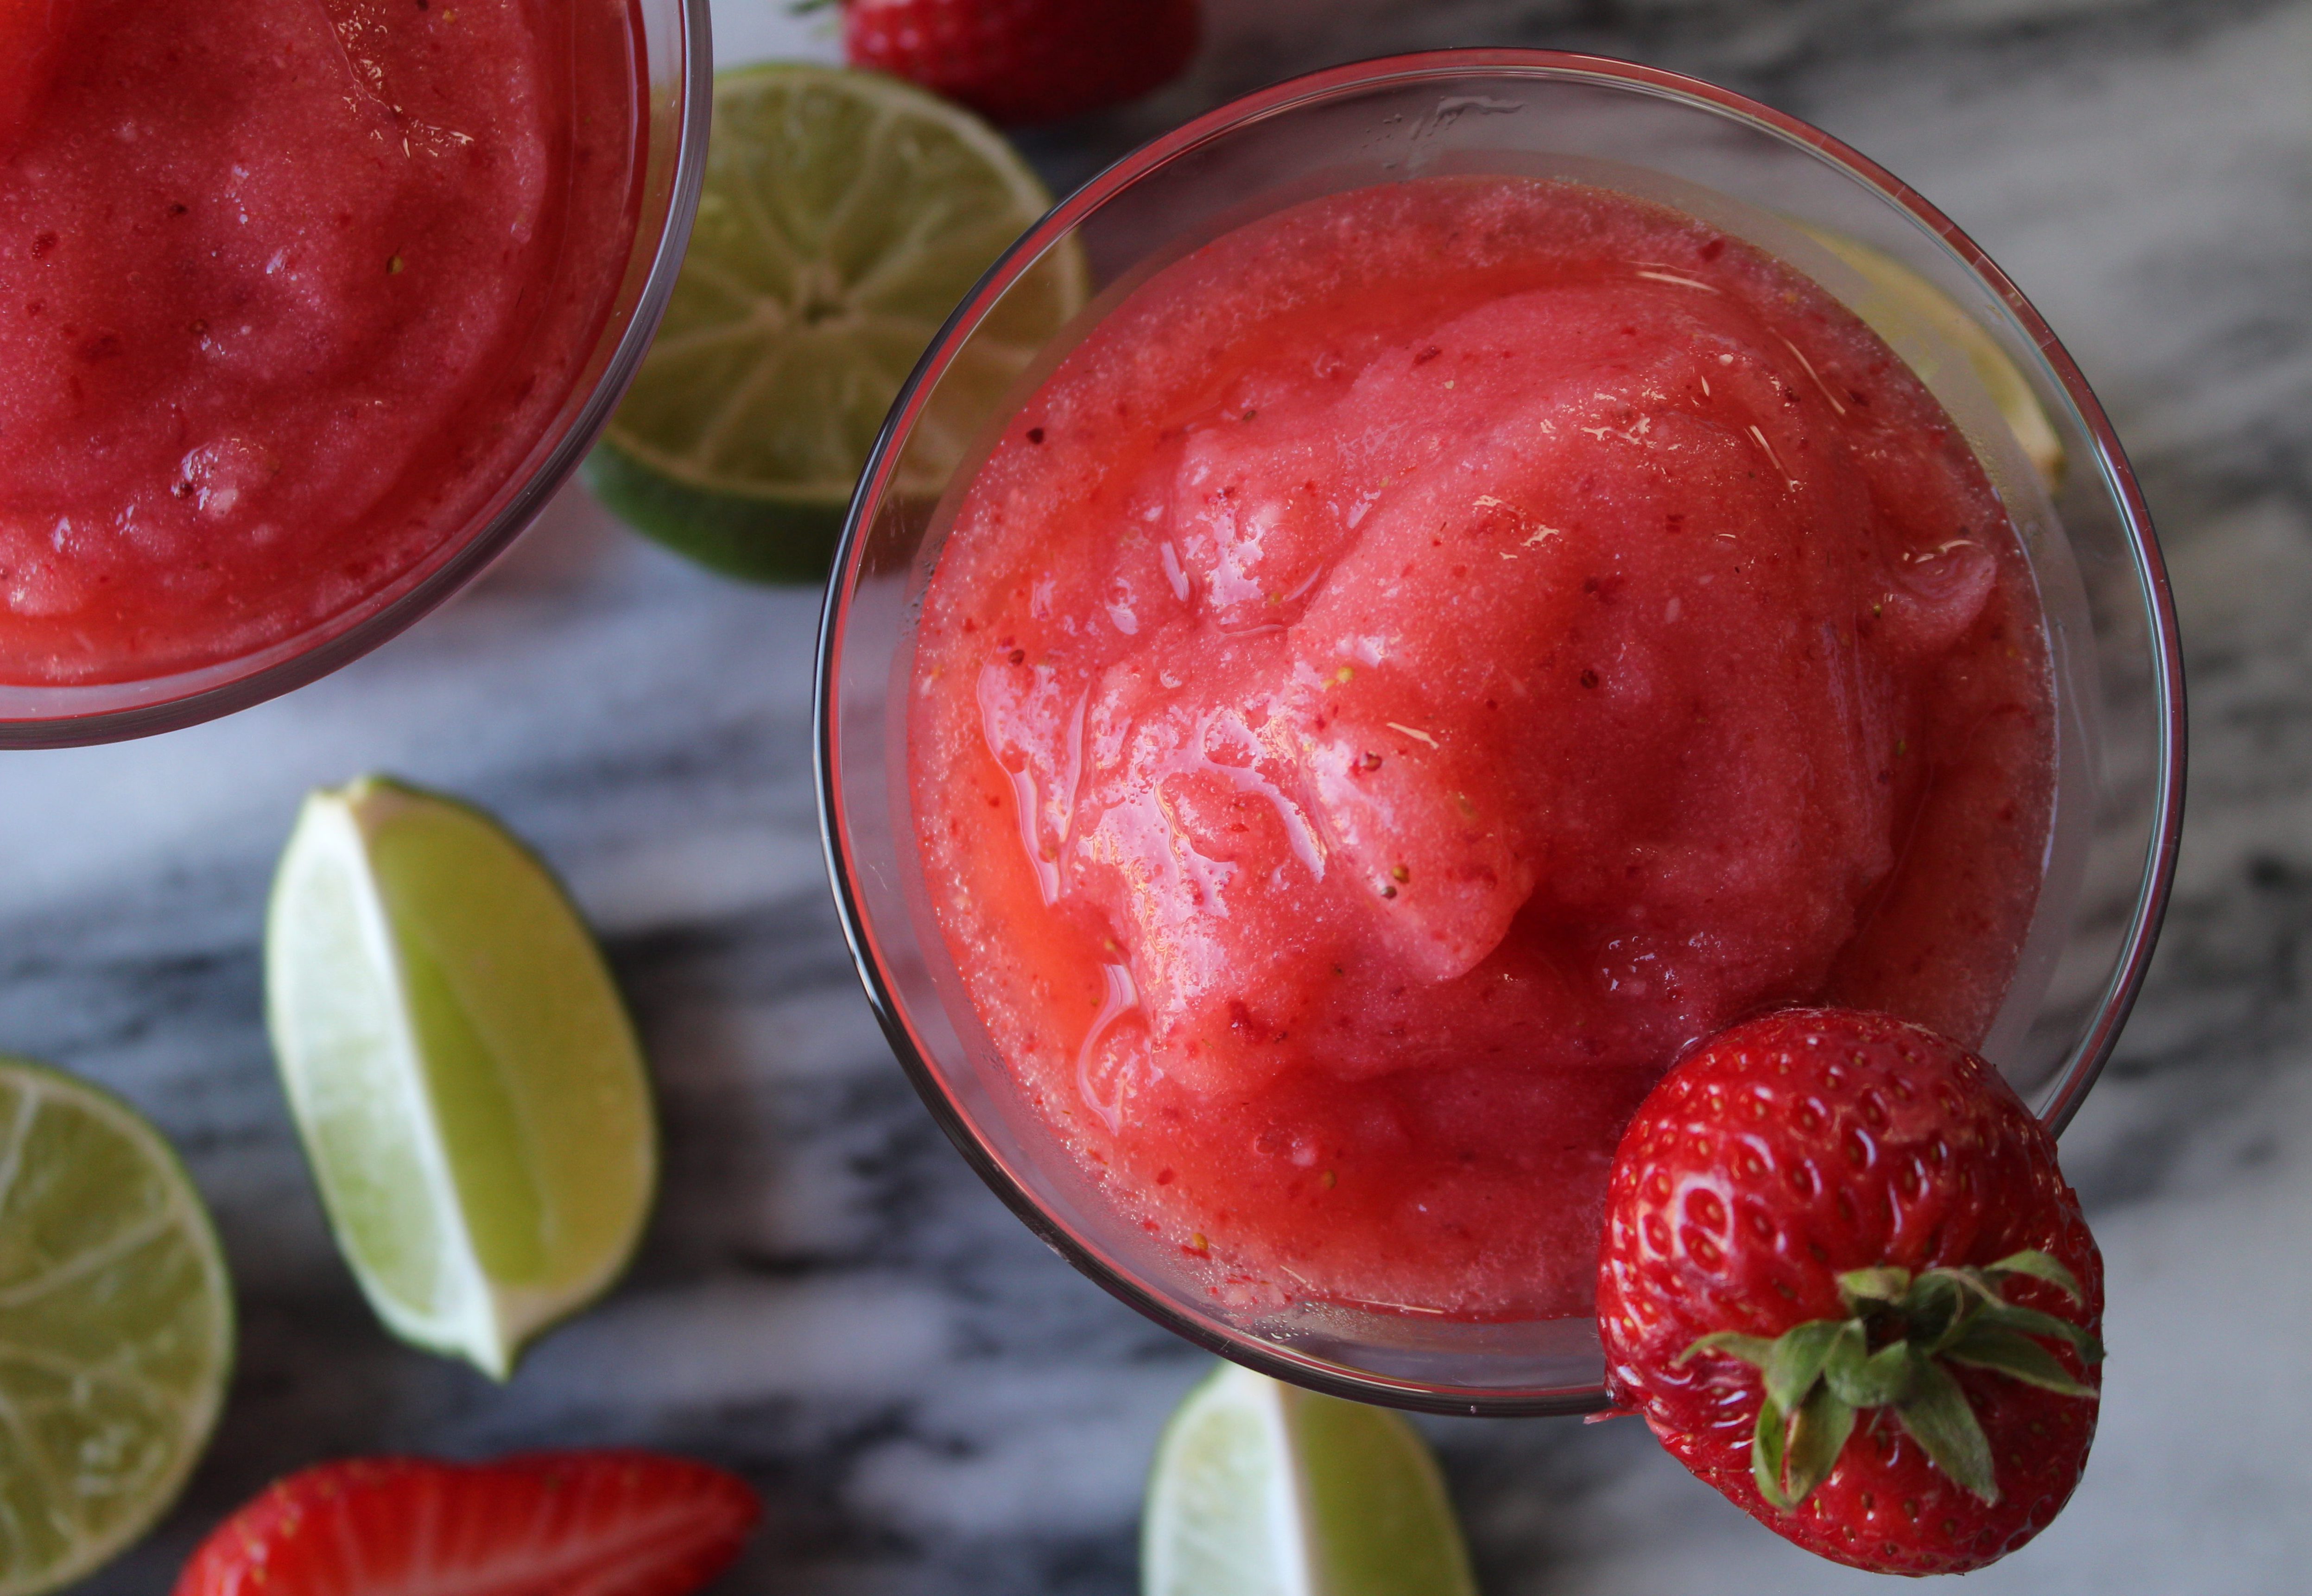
(830, 1302)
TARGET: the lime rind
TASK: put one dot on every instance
(845, 215)
(406, 1052)
(1380, 1521)
(99, 1433)
(760, 534)
(1260, 1488)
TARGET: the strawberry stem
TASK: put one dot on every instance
(1819, 1376)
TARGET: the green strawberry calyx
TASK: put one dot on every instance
(1891, 1351)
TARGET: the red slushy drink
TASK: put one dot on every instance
(287, 288)
(1425, 658)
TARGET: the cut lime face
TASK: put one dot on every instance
(1262, 1489)
(844, 214)
(116, 1327)
(468, 1087)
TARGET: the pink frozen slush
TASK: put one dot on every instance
(1424, 660)
(287, 291)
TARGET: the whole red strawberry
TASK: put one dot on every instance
(556, 1523)
(1021, 61)
(1846, 1284)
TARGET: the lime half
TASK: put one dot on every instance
(1262, 1489)
(844, 214)
(468, 1087)
(116, 1327)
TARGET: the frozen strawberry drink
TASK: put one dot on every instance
(287, 287)
(1426, 657)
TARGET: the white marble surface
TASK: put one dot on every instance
(828, 1301)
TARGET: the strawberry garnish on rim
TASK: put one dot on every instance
(1895, 1352)
(613, 1523)
(1846, 1283)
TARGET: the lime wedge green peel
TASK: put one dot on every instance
(845, 215)
(116, 1327)
(468, 1087)
(1263, 1489)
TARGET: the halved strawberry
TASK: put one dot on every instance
(1023, 61)
(551, 1523)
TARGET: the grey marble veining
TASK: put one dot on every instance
(829, 1301)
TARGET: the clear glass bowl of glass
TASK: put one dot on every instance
(1861, 232)
(673, 65)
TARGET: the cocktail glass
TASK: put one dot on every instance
(674, 67)
(1787, 185)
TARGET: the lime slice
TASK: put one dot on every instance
(845, 215)
(1910, 296)
(468, 1085)
(116, 1327)
(1262, 1489)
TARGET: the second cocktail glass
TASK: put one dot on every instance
(1661, 137)
(555, 383)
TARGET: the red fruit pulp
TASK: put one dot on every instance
(1424, 660)
(286, 289)
(29, 32)
(614, 1521)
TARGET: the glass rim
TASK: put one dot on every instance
(2087, 1057)
(165, 712)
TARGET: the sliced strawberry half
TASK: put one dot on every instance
(1021, 62)
(558, 1523)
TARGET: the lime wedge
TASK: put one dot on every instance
(1910, 296)
(468, 1088)
(116, 1327)
(845, 215)
(1263, 1489)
